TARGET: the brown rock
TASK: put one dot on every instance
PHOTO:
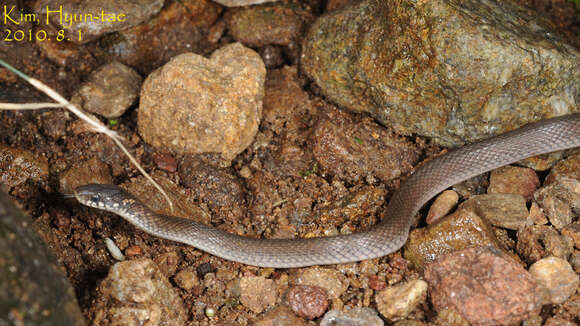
(538, 241)
(93, 170)
(54, 123)
(281, 316)
(257, 293)
(554, 321)
(186, 279)
(561, 198)
(17, 166)
(165, 161)
(563, 167)
(110, 90)
(442, 205)
(397, 302)
(133, 13)
(351, 148)
(135, 293)
(307, 301)
(572, 231)
(504, 210)
(347, 54)
(219, 188)
(238, 3)
(217, 103)
(279, 23)
(179, 27)
(133, 251)
(484, 285)
(541, 162)
(513, 180)
(473, 186)
(331, 280)
(557, 277)
(457, 231)
(377, 283)
(537, 215)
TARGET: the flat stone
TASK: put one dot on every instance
(397, 302)
(504, 210)
(513, 180)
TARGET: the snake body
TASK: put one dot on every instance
(386, 237)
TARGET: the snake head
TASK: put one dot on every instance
(102, 196)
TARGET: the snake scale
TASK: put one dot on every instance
(387, 236)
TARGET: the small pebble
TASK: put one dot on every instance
(352, 317)
(307, 301)
(114, 250)
(377, 283)
(442, 205)
(399, 301)
(257, 293)
(210, 312)
(165, 161)
(513, 180)
(133, 251)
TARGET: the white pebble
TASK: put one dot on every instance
(209, 312)
(114, 250)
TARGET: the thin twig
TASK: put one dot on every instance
(29, 106)
(96, 124)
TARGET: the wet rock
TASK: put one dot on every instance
(135, 293)
(484, 285)
(257, 293)
(178, 28)
(238, 3)
(538, 241)
(397, 302)
(33, 288)
(18, 165)
(270, 24)
(572, 231)
(365, 59)
(186, 279)
(219, 188)
(216, 103)
(183, 203)
(93, 170)
(504, 210)
(557, 277)
(281, 316)
(110, 90)
(442, 205)
(352, 148)
(113, 16)
(352, 317)
(513, 180)
(331, 280)
(560, 199)
(307, 301)
(462, 229)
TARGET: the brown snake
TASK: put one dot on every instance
(386, 237)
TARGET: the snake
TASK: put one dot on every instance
(385, 237)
